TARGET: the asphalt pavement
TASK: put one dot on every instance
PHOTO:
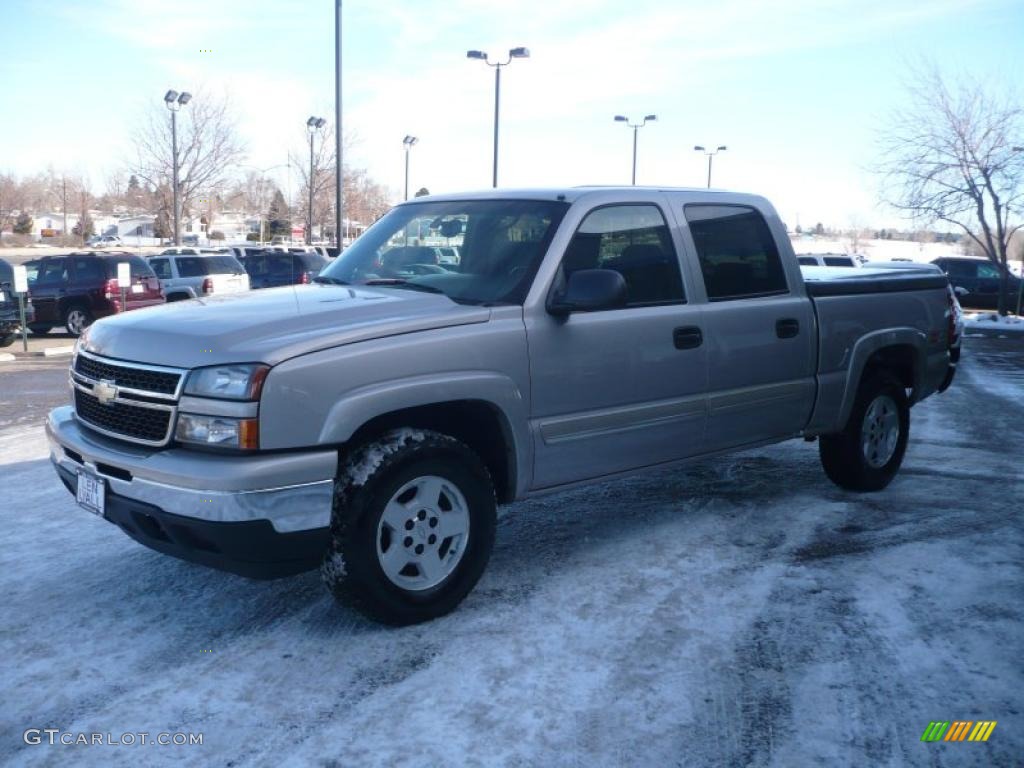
(741, 611)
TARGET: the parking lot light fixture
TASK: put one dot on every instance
(408, 142)
(514, 53)
(175, 101)
(313, 124)
(636, 127)
(710, 155)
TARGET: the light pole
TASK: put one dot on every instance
(710, 155)
(175, 101)
(636, 127)
(339, 166)
(515, 53)
(408, 143)
(313, 125)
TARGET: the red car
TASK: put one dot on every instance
(76, 289)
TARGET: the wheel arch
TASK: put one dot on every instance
(483, 409)
(900, 351)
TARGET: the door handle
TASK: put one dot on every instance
(687, 337)
(787, 327)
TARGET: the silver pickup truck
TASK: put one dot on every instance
(370, 422)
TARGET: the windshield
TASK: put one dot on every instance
(500, 245)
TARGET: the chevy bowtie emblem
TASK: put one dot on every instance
(105, 391)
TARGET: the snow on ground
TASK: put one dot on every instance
(994, 322)
(741, 611)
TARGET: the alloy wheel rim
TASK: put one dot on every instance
(76, 319)
(423, 532)
(880, 431)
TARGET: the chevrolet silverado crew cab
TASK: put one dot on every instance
(369, 422)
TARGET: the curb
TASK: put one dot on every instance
(57, 351)
(7, 357)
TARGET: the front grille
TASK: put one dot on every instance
(133, 422)
(159, 382)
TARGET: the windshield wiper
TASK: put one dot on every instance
(330, 280)
(397, 282)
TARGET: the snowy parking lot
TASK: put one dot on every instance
(740, 611)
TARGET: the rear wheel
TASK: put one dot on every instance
(866, 455)
(77, 319)
(6, 340)
(412, 527)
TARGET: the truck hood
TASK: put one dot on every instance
(271, 325)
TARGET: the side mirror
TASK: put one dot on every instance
(960, 291)
(589, 290)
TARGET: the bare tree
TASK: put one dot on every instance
(208, 148)
(10, 200)
(950, 155)
(365, 199)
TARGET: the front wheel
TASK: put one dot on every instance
(866, 455)
(412, 527)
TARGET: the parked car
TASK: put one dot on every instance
(977, 281)
(10, 312)
(448, 255)
(827, 260)
(104, 241)
(76, 289)
(189, 275)
(369, 423)
(271, 268)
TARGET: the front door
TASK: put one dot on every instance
(624, 388)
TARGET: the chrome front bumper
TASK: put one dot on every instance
(293, 491)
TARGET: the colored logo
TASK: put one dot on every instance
(958, 730)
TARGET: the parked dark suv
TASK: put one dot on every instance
(270, 268)
(979, 280)
(76, 289)
(10, 316)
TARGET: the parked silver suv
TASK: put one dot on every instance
(186, 273)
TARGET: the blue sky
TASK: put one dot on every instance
(797, 89)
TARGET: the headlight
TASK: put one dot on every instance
(218, 431)
(233, 382)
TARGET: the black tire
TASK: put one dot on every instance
(39, 330)
(7, 339)
(373, 474)
(843, 455)
(76, 319)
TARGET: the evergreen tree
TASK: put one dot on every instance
(85, 228)
(278, 221)
(23, 225)
(162, 226)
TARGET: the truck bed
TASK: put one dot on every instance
(906, 301)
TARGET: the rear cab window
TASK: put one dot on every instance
(737, 253)
(839, 261)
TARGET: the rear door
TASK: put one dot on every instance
(760, 331)
(256, 266)
(49, 289)
(87, 281)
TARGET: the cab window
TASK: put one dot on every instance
(736, 250)
(634, 241)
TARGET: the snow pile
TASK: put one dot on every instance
(994, 321)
